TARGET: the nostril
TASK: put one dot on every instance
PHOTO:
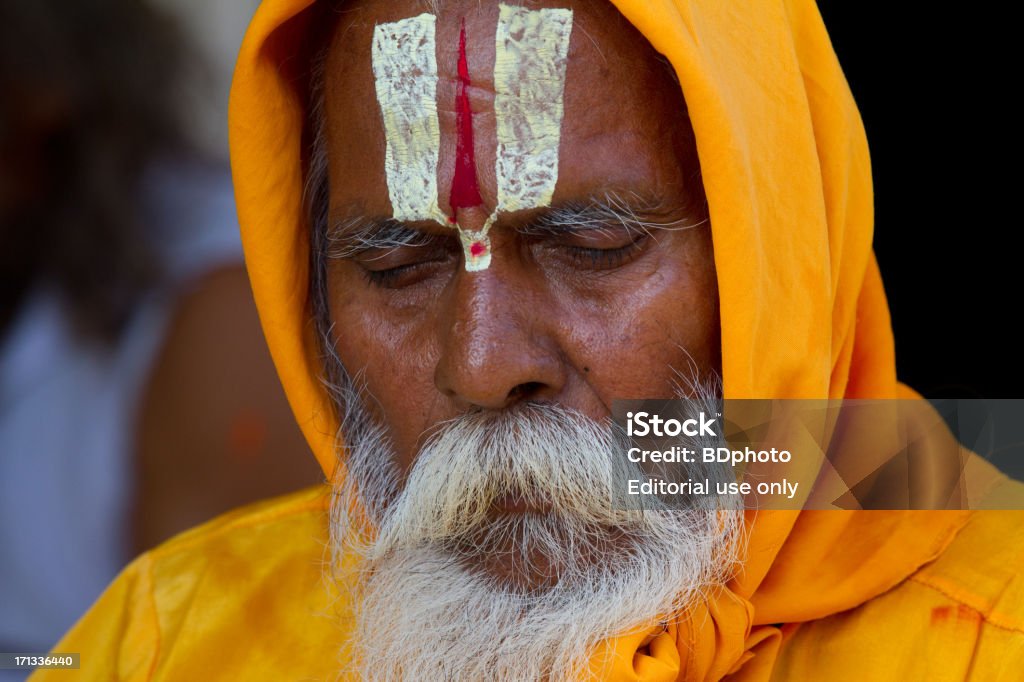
(525, 391)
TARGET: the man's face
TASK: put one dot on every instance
(516, 237)
(607, 293)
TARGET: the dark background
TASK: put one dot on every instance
(934, 91)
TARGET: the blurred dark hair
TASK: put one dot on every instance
(88, 96)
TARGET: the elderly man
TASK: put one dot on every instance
(470, 227)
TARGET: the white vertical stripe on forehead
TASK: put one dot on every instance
(405, 70)
(529, 81)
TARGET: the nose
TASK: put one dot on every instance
(498, 347)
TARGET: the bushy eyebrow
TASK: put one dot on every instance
(609, 211)
(596, 214)
(354, 236)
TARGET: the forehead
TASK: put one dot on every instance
(605, 48)
(620, 98)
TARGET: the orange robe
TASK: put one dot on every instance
(243, 598)
(825, 595)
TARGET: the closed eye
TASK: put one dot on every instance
(607, 255)
(389, 253)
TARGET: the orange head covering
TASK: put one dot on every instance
(803, 314)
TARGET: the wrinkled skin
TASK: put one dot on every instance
(579, 320)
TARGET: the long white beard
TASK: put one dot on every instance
(426, 604)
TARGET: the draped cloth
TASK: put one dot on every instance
(786, 171)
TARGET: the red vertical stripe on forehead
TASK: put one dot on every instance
(465, 191)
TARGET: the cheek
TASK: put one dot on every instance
(393, 358)
(666, 319)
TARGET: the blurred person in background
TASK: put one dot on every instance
(133, 375)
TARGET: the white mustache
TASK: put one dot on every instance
(547, 456)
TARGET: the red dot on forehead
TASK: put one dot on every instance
(477, 248)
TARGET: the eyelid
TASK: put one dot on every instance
(402, 256)
(386, 277)
(607, 258)
(626, 239)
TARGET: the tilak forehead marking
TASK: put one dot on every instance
(529, 82)
(405, 73)
(531, 49)
(476, 247)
